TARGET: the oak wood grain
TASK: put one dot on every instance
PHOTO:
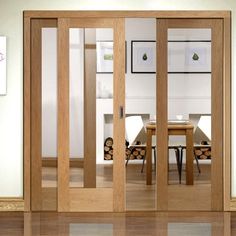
(63, 116)
(119, 121)
(161, 108)
(133, 14)
(36, 135)
(227, 94)
(27, 99)
(91, 199)
(217, 115)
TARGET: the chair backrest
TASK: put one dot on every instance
(202, 127)
(133, 127)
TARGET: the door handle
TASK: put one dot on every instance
(121, 112)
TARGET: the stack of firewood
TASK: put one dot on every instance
(202, 152)
(108, 149)
(137, 153)
(133, 152)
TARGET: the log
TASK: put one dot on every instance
(143, 152)
(198, 152)
(139, 157)
(106, 149)
(207, 153)
(135, 153)
(111, 152)
(203, 157)
(132, 157)
(127, 153)
(204, 149)
(108, 157)
(109, 142)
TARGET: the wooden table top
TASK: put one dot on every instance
(171, 126)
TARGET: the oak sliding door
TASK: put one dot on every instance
(77, 100)
(190, 87)
(68, 170)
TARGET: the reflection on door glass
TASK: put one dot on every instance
(91, 229)
(186, 229)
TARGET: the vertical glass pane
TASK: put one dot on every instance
(76, 110)
(49, 107)
(91, 107)
(104, 107)
(189, 102)
(140, 109)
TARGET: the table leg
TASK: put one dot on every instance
(189, 156)
(149, 158)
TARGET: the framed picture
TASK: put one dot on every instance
(3, 79)
(143, 56)
(104, 51)
(189, 57)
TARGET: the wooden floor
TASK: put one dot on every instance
(126, 224)
(139, 196)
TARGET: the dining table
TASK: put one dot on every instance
(174, 128)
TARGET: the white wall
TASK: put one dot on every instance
(11, 106)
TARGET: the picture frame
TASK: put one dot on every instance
(189, 57)
(104, 51)
(143, 56)
(3, 58)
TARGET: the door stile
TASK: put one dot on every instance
(63, 115)
(161, 130)
(119, 117)
(36, 116)
(217, 113)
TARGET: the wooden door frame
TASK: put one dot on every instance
(215, 190)
(228, 202)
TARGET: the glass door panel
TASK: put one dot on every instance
(91, 55)
(140, 36)
(49, 118)
(76, 110)
(189, 73)
(189, 101)
(49, 107)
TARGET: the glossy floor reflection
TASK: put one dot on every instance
(89, 224)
